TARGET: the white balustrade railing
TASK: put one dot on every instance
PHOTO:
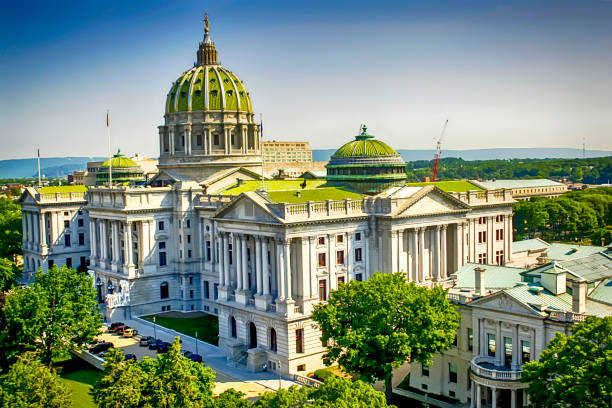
(307, 381)
(506, 375)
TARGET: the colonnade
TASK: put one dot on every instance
(479, 393)
(481, 343)
(34, 230)
(175, 132)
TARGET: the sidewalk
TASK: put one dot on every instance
(214, 358)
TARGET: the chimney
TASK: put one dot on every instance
(479, 275)
(579, 291)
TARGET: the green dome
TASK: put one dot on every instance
(124, 171)
(208, 88)
(120, 161)
(365, 145)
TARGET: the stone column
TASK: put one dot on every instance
(129, 256)
(245, 270)
(115, 242)
(421, 254)
(415, 255)
(498, 344)
(437, 255)
(280, 269)
(265, 266)
(171, 140)
(104, 243)
(515, 348)
(238, 260)
(366, 258)
(393, 253)
(513, 399)
(478, 398)
(472, 392)
(43, 232)
(24, 228)
(494, 397)
(401, 254)
(258, 265)
(349, 257)
(509, 234)
(92, 241)
(287, 259)
(443, 252)
(188, 139)
(221, 247)
(225, 258)
(227, 140)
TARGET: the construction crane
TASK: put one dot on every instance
(437, 154)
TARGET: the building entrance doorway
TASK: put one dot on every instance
(252, 335)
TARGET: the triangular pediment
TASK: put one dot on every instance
(28, 196)
(223, 179)
(247, 207)
(504, 303)
(430, 201)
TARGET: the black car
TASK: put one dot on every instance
(144, 341)
(163, 348)
(130, 357)
(100, 347)
(154, 344)
(187, 354)
(196, 357)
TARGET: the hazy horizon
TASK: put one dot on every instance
(506, 75)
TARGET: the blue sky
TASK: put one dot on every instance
(505, 73)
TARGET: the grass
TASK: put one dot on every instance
(80, 378)
(207, 326)
(272, 185)
(318, 194)
(457, 186)
(62, 189)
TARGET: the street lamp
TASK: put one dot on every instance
(99, 285)
(110, 287)
(196, 339)
(154, 329)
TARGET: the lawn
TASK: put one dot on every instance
(207, 326)
(80, 378)
(456, 186)
(272, 185)
(317, 194)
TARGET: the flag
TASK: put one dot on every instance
(107, 119)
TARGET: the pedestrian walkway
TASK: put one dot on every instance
(228, 376)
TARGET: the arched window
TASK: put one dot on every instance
(233, 327)
(273, 339)
(252, 335)
(163, 290)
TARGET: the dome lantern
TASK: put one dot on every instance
(207, 53)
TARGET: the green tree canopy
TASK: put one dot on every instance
(170, 380)
(10, 229)
(9, 273)
(574, 371)
(232, 399)
(56, 313)
(30, 384)
(374, 326)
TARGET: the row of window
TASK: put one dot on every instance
(67, 239)
(483, 220)
(482, 236)
(68, 263)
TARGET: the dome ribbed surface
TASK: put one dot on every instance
(120, 161)
(365, 148)
(208, 88)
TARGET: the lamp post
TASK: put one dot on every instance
(154, 329)
(280, 384)
(196, 339)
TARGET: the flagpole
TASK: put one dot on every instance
(110, 158)
(263, 182)
(39, 182)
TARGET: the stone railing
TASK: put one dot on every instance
(61, 197)
(459, 299)
(474, 197)
(317, 209)
(215, 200)
(307, 381)
(568, 316)
(504, 375)
(273, 307)
(298, 309)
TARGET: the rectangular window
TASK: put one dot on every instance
(299, 341)
(50, 263)
(80, 222)
(160, 225)
(525, 351)
(499, 257)
(81, 238)
(322, 289)
(322, 261)
(482, 237)
(507, 351)
(189, 239)
(216, 291)
(191, 294)
(199, 140)
(188, 223)
(208, 251)
(83, 261)
(339, 257)
(206, 290)
(455, 341)
(162, 259)
(470, 338)
(66, 223)
(191, 280)
(482, 258)
(424, 371)
(357, 254)
(189, 253)
(69, 262)
(482, 220)
(301, 367)
(162, 245)
(66, 214)
(499, 234)
(339, 239)
(321, 241)
(452, 373)
(216, 139)
(358, 277)
(358, 236)
(230, 253)
(67, 240)
(491, 344)
(340, 280)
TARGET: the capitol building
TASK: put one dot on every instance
(206, 233)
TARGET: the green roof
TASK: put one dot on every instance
(591, 268)
(496, 277)
(120, 161)
(523, 183)
(529, 245)
(62, 189)
(456, 186)
(364, 145)
(526, 296)
(272, 185)
(317, 194)
(562, 252)
(208, 87)
(603, 292)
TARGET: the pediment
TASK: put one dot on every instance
(431, 202)
(504, 303)
(245, 208)
(226, 178)
(27, 197)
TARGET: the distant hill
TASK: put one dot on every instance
(485, 154)
(49, 166)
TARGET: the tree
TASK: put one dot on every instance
(10, 229)
(340, 392)
(55, 314)
(292, 397)
(374, 326)
(30, 384)
(574, 371)
(170, 380)
(8, 274)
(232, 399)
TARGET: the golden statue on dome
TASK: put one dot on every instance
(206, 23)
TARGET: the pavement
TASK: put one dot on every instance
(227, 376)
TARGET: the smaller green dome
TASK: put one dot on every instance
(365, 145)
(120, 160)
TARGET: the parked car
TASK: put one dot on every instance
(100, 347)
(196, 357)
(163, 348)
(144, 341)
(114, 325)
(129, 332)
(131, 357)
(153, 345)
(187, 354)
(119, 330)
